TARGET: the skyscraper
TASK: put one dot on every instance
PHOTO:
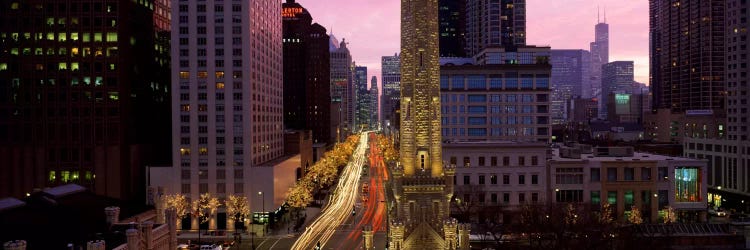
(691, 66)
(307, 94)
(341, 89)
(599, 49)
(374, 99)
(84, 95)
(390, 100)
(362, 97)
(617, 77)
(494, 23)
(452, 14)
(228, 103)
(422, 187)
(738, 91)
(570, 78)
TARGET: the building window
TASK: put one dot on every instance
(534, 179)
(493, 161)
(596, 198)
(687, 184)
(534, 160)
(493, 198)
(612, 174)
(645, 174)
(629, 174)
(521, 198)
(467, 180)
(595, 173)
(185, 188)
(663, 173)
(534, 197)
(506, 198)
(493, 179)
(481, 180)
(506, 161)
(521, 179)
(467, 162)
(506, 179)
(612, 197)
(521, 161)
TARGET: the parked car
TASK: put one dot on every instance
(210, 247)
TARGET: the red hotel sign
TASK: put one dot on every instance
(290, 12)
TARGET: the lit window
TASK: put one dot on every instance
(99, 52)
(50, 21)
(219, 85)
(14, 6)
(65, 176)
(202, 74)
(74, 175)
(86, 37)
(203, 151)
(61, 21)
(87, 80)
(184, 75)
(111, 37)
(14, 51)
(219, 74)
(185, 151)
(74, 66)
(62, 37)
(112, 66)
(98, 81)
(89, 176)
(97, 37)
(62, 66)
(185, 107)
(74, 51)
(38, 52)
(52, 176)
(74, 36)
(63, 51)
(51, 36)
(114, 96)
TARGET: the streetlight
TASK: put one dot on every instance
(263, 212)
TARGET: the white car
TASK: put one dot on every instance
(210, 247)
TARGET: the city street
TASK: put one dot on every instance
(338, 209)
(372, 210)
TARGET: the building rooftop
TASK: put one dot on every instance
(637, 156)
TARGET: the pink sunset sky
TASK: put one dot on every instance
(372, 27)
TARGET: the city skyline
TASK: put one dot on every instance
(376, 32)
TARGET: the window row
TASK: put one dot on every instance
(492, 179)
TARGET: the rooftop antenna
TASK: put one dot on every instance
(597, 14)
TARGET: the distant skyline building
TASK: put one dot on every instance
(617, 78)
(362, 99)
(307, 94)
(342, 106)
(688, 69)
(570, 78)
(494, 24)
(374, 103)
(391, 97)
(227, 110)
(599, 49)
(84, 95)
(452, 15)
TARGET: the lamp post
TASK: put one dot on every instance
(263, 212)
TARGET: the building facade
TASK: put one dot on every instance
(691, 67)
(84, 95)
(452, 23)
(374, 104)
(422, 186)
(496, 176)
(505, 97)
(583, 110)
(494, 23)
(342, 106)
(362, 99)
(307, 94)
(627, 180)
(228, 103)
(570, 78)
(390, 100)
(617, 77)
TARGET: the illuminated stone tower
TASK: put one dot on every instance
(422, 187)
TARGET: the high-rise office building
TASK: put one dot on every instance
(689, 67)
(307, 94)
(362, 97)
(342, 107)
(617, 77)
(738, 91)
(390, 100)
(599, 49)
(494, 23)
(84, 95)
(422, 185)
(374, 99)
(228, 100)
(654, 55)
(570, 78)
(452, 15)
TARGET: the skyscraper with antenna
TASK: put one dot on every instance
(599, 56)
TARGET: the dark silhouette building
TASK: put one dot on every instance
(452, 25)
(84, 94)
(307, 95)
(494, 23)
(687, 55)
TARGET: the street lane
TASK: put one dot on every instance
(339, 207)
